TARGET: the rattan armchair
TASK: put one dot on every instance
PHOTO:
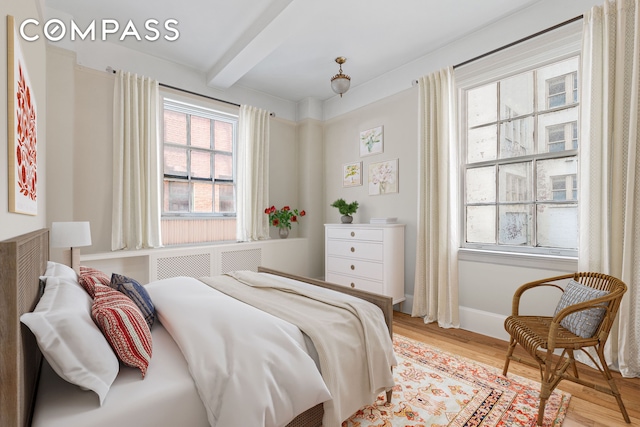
(541, 336)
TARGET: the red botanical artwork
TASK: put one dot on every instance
(25, 138)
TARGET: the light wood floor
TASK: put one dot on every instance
(587, 406)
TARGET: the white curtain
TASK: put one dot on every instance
(253, 174)
(136, 163)
(436, 281)
(609, 170)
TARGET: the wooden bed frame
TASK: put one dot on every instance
(23, 260)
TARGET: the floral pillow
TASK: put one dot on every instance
(138, 295)
(583, 323)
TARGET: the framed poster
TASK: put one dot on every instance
(352, 174)
(21, 129)
(371, 141)
(383, 177)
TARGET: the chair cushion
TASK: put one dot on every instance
(582, 323)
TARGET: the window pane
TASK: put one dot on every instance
(202, 197)
(201, 164)
(176, 196)
(175, 127)
(558, 226)
(481, 224)
(558, 131)
(481, 185)
(516, 225)
(516, 96)
(481, 144)
(482, 105)
(557, 84)
(175, 161)
(556, 92)
(515, 182)
(200, 132)
(551, 173)
(223, 139)
(224, 166)
(225, 200)
(516, 138)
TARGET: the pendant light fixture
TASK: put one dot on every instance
(340, 82)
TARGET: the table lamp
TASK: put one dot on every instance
(71, 235)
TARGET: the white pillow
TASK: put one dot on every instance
(71, 342)
(62, 271)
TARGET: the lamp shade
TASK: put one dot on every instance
(340, 85)
(70, 234)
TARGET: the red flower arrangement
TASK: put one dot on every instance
(282, 218)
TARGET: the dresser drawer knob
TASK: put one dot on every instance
(353, 234)
(353, 249)
(353, 267)
(353, 285)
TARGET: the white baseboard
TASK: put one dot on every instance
(471, 319)
(483, 322)
(407, 304)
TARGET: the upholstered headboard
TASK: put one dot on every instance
(23, 260)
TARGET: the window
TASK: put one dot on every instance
(520, 160)
(198, 170)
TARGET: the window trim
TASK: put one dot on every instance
(194, 108)
(553, 46)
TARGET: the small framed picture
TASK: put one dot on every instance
(383, 177)
(352, 174)
(371, 141)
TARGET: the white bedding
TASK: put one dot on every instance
(353, 344)
(242, 391)
(220, 338)
(167, 384)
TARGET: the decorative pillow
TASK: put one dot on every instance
(69, 339)
(582, 323)
(90, 276)
(138, 295)
(124, 327)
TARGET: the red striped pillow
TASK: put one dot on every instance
(89, 277)
(124, 327)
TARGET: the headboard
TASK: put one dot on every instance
(23, 260)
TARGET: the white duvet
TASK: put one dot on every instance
(220, 338)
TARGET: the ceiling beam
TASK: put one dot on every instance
(264, 36)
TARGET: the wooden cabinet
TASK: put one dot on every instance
(366, 256)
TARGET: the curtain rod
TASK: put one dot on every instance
(111, 70)
(198, 94)
(562, 24)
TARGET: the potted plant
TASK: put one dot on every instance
(346, 210)
(282, 218)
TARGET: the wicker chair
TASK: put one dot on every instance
(540, 336)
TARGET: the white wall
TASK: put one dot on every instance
(12, 224)
(398, 114)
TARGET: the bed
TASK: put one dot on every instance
(23, 260)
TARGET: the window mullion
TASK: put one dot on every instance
(497, 167)
(534, 166)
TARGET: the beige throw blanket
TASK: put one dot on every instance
(350, 335)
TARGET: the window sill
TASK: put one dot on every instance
(548, 262)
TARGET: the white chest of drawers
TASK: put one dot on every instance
(366, 256)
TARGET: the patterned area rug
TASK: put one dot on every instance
(437, 389)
